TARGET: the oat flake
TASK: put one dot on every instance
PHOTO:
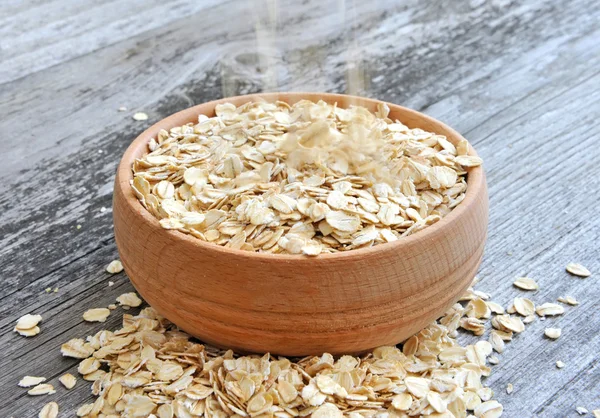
(68, 380)
(129, 299)
(526, 283)
(114, 267)
(28, 322)
(28, 381)
(552, 333)
(96, 315)
(50, 410)
(41, 389)
(549, 309)
(140, 116)
(578, 270)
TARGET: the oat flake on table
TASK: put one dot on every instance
(68, 380)
(41, 389)
(96, 314)
(140, 116)
(526, 283)
(28, 332)
(50, 410)
(523, 306)
(129, 299)
(303, 179)
(569, 300)
(552, 333)
(549, 309)
(114, 267)
(27, 325)
(578, 270)
(29, 381)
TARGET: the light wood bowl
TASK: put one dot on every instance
(347, 302)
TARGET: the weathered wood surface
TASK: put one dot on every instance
(520, 79)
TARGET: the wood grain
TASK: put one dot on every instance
(519, 79)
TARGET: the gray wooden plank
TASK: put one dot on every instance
(62, 321)
(160, 61)
(14, 7)
(543, 228)
(149, 66)
(66, 30)
(519, 78)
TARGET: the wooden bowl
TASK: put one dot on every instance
(295, 305)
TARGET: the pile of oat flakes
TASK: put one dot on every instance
(149, 368)
(302, 179)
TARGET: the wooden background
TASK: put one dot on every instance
(520, 79)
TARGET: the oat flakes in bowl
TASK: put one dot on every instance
(304, 178)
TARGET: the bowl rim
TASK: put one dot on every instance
(475, 182)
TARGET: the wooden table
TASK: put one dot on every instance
(520, 79)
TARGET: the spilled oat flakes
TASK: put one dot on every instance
(150, 368)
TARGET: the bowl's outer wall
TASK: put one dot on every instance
(294, 305)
